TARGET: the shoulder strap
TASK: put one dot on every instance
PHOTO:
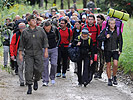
(89, 40)
(69, 34)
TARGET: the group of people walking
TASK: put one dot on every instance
(39, 39)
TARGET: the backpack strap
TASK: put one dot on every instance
(89, 40)
(69, 34)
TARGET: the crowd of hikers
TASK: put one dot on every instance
(58, 37)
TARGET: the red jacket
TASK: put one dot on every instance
(64, 37)
(14, 45)
(95, 31)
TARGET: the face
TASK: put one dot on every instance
(77, 25)
(112, 24)
(38, 22)
(83, 19)
(84, 35)
(63, 24)
(47, 28)
(91, 20)
(99, 21)
(72, 10)
(53, 12)
(32, 22)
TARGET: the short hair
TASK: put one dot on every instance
(111, 19)
(78, 21)
(47, 23)
(31, 17)
(64, 20)
(101, 17)
(91, 16)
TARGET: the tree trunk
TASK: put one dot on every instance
(74, 4)
(41, 3)
(68, 1)
(84, 3)
(62, 5)
(46, 2)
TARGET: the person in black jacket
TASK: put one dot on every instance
(86, 54)
(76, 32)
(113, 43)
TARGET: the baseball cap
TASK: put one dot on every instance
(85, 30)
(84, 16)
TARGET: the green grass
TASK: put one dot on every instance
(126, 58)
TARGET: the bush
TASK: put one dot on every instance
(126, 58)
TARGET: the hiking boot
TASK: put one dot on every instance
(35, 87)
(45, 84)
(114, 80)
(63, 75)
(29, 89)
(109, 82)
(96, 75)
(99, 75)
(58, 75)
(85, 84)
(22, 84)
(79, 84)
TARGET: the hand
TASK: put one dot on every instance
(108, 36)
(91, 62)
(78, 43)
(119, 52)
(21, 58)
(46, 54)
(12, 57)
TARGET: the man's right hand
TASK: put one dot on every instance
(12, 57)
(108, 36)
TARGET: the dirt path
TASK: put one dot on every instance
(64, 89)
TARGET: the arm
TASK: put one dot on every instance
(102, 36)
(58, 37)
(12, 46)
(92, 53)
(120, 42)
(20, 56)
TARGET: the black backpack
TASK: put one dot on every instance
(74, 53)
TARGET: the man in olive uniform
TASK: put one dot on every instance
(32, 42)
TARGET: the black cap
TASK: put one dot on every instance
(85, 30)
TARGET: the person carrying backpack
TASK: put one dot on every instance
(14, 52)
(6, 34)
(94, 31)
(85, 43)
(113, 43)
(66, 37)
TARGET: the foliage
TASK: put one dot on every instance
(125, 5)
(126, 58)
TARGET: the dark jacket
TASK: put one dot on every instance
(86, 49)
(33, 41)
(114, 42)
(75, 33)
(54, 37)
(6, 37)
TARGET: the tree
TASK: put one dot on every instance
(84, 3)
(68, 1)
(62, 5)
(41, 3)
